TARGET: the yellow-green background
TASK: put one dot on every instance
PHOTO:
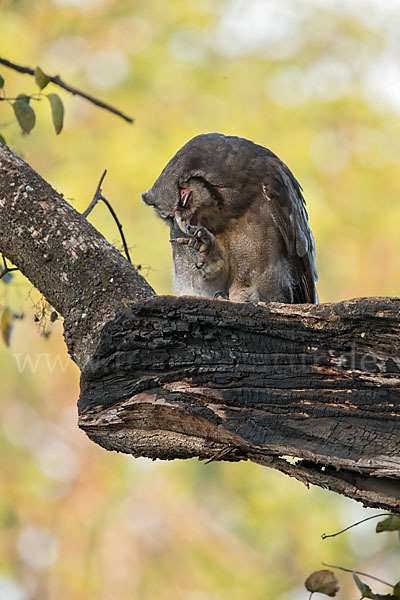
(316, 81)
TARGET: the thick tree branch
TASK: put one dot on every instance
(182, 377)
(83, 276)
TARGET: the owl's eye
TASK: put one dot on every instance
(185, 196)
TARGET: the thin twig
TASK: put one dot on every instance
(99, 196)
(220, 454)
(6, 268)
(58, 81)
(96, 196)
(359, 573)
(112, 211)
(6, 271)
(329, 535)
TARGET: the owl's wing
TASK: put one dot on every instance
(285, 198)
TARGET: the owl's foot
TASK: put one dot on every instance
(200, 239)
(209, 259)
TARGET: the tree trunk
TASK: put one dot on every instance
(313, 391)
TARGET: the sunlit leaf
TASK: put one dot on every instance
(323, 581)
(25, 115)
(41, 78)
(1, 81)
(57, 111)
(391, 523)
(6, 324)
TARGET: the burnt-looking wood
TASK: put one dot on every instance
(182, 377)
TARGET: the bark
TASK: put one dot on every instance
(83, 276)
(313, 391)
(183, 377)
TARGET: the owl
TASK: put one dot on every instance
(238, 224)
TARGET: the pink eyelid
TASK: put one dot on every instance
(184, 196)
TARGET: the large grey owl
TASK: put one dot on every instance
(237, 221)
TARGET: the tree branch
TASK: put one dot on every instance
(56, 79)
(183, 377)
(82, 276)
(313, 391)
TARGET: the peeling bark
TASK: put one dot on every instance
(181, 377)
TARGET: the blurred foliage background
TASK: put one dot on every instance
(318, 82)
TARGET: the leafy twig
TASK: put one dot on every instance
(58, 81)
(359, 573)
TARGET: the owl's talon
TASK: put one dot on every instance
(220, 294)
(180, 240)
(200, 239)
(199, 230)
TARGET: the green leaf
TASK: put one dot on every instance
(389, 524)
(41, 78)
(323, 581)
(396, 589)
(57, 111)
(25, 115)
(2, 139)
(6, 324)
(1, 81)
(24, 98)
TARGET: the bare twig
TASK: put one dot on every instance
(96, 196)
(58, 81)
(220, 454)
(329, 535)
(112, 211)
(359, 573)
(6, 268)
(99, 196)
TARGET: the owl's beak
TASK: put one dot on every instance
(147, 199)
(150, 198)
(180, 222)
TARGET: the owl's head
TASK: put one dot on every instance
(202, 183)
(186, 191)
